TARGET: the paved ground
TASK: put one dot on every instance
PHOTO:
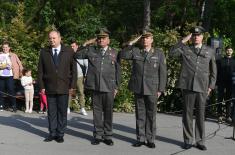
(23, 134)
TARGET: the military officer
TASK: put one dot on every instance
(197, 79)
(103, 78)
(148, 81)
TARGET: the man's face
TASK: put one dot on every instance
(229, 52)
(74, 47)
(197, 38)
(54, 39)
(103, 41)
(147, 41)
(6, 48)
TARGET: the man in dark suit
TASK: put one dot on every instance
(148, 81)
(103, 78)
(56, 76)
(225, 67)
(197, 79)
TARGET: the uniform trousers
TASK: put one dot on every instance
(145, 110)
(102, 114)
(198, 100)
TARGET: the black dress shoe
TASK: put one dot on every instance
(138, 144)
(201, 147)
(59, 139)
(96, 141)
(187, 146)
(150, 145)
(49, 138)
(108, 142)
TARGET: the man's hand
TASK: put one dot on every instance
(115, 92)
(134, 40)
(159, 94)
(71, 91)
(187, 38)
(209, 91)
(90, 41)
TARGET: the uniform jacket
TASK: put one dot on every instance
(149, 73)
(57, 80)
(198, 70)
(104, 71)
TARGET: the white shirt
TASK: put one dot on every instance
(58, 50)
(25, 81)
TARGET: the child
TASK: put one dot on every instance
(43, 102)
(27, 83)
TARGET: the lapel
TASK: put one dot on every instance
(59, 56)
(150, 53)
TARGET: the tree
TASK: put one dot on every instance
(147, 11)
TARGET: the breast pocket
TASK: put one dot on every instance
(154, 62)
(205, 59)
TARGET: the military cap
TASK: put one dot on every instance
(102, 32)
(147, 33)
(197, 30)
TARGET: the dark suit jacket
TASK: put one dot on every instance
(103, 71)
(198, 71)
(226, 69)
(149, 74)
(57, 80)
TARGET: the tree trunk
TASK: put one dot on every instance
(206, 14)
(37, 11)
(147, 10)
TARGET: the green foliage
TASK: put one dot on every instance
(27, 24)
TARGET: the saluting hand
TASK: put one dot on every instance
(187, 38)
(90, 41)
(135, 40)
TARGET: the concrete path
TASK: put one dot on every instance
(23, 134)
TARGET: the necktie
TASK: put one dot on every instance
(55, 57)
(197, 50)
(102, 52)
(145, 53)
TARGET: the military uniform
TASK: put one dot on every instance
(198, 73)
(103, 77)
(148, 77)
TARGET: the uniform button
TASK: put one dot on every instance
(198, 62)
(102, 63)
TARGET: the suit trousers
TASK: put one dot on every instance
(198, 100)
(145, 109)
(102, 114)
(225, 95)
(57, 113)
